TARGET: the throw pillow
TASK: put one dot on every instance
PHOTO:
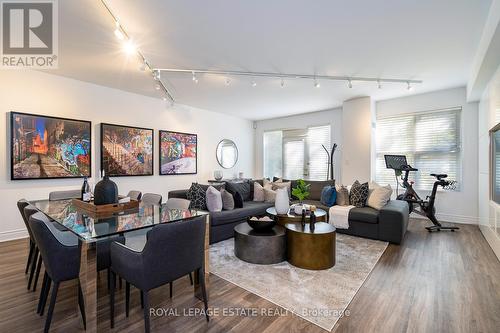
(214, 200)
(342, 196)
(198, 196)
(258, 192)
(328, 196)
(280, 184)
(242, 187)
(269, 195)
(238, 200)
(379, 197)
(227, 200)
(358, 194)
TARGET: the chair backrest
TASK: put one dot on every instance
(178, 203)
(151, 199)
(60, 253)
(134, 195)
(62, 195)
(173, 250)
(21, 204)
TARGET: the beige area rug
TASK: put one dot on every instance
(317, 296)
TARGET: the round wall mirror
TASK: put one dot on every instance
(227, 153)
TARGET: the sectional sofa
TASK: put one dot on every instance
(388, 224)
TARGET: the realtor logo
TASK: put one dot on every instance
(29, 34)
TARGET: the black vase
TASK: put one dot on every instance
(105, 192)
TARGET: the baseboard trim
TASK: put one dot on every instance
(13, 234)
(462, 219)
(491, 238)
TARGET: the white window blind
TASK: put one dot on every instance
(293, 161)
(273, 154)
(431, 142)
(297, 153)
(317, 157)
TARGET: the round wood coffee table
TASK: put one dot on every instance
(291, 217)
(260, 247)
(311, 249)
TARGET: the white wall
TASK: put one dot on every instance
(332, 117)
(460, 207)
(41, 93)
(489, 116)
(356, 138)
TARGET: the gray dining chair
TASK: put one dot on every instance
(36, 260)
(61, 256)
(21, 204)
(63, 195)
(134, 195)
(172, 250)
(151, 199)
(178, 203)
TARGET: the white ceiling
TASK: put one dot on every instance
(430, 40)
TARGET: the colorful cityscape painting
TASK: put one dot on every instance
(178, 153)
(49, 147)
(126, 151)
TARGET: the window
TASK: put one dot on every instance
(430, 141)
(297, 153)
(273, 154)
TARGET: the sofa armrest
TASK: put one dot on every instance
(393, 221)
(182, 194)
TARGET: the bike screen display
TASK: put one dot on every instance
(396, 162)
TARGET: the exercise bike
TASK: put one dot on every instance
(426, 207)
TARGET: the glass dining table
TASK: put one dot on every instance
(91, 229)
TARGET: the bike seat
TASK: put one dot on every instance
(439, 176)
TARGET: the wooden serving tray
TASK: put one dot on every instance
(105, 209)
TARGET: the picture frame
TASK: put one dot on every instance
(126, 150)
(61, 146)
(178, 153)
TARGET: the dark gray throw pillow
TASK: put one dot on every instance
(198, 196)
(242, 188)
(227, 200)
(358, 194)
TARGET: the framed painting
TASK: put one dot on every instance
(126, 150)
(46, 147)
(178, 153)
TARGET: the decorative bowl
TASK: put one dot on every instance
(261, 225)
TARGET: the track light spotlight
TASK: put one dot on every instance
(156, 75)
(282, 84)
(379, 84)
(254, 84)
(316, 84)
(227, 82)
(119, 34)
(157, 86)
(129, 47)
(195, 79)
(349, 83)
(409, 87)
(164, 99)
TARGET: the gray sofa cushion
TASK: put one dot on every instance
(242, 188)
(364, 214)
(250, 208)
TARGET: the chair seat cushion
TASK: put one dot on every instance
(364, 214)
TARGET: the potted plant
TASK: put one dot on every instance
(301, 192)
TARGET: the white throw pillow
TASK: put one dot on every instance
(258, 192)
(269, 195)
(379, 196)
(214, 200)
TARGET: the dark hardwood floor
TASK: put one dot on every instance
(439, 282)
